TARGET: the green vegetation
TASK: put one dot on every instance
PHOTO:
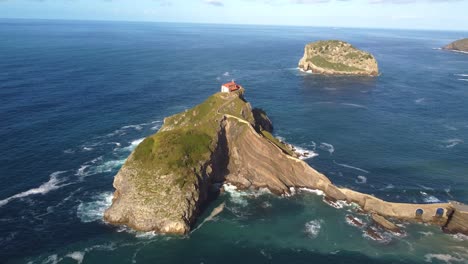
(278, 143)
(323, 63)
(186, 141)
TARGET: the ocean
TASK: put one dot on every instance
(77, 97)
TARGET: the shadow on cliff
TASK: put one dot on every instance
(217, 175)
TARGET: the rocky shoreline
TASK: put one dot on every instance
(460, 46)
(334, 57)
(166, 181)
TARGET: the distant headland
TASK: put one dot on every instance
(171, 175)
(460, 45)
(335, 57)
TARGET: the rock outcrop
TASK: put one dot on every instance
(166, 181)
(335, 57)
(460, 45)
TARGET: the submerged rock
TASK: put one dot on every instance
(384, 223)
(335, 57)
(459, 45)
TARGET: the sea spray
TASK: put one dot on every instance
(94, 210)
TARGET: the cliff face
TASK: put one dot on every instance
(334, 57)
(459, 45)
(166, 181)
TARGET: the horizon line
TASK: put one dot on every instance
(227, 24)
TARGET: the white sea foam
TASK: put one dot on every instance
(450, 143)
(304, 153)
(125, 129)
(302, 70)
(425, 187)
(462, 74)
(53, 184)
(317, 192)
(336, 204)
(361, 179)
(443, 257)
(327, 147)
(312, 228)
(136, 127)
(388, 187)
(429, 198)
(82, 170)
(350, 222)
(226, 74)
(94, 210)
(77, 255)
(52, 259)
(354, 105)
(420, 100)
(87, 148)
(109, 166)
(462, 79)
(350, 167)
(133, 144)
(429, 233)
(460, 237)
(236, 196)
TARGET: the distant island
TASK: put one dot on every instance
(460, 45)
(335, 57)
(172, 175)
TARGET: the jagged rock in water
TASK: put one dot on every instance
(385, 223)
(335, 57)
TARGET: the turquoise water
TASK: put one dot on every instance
(77, 97)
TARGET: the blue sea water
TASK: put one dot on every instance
(77, 97)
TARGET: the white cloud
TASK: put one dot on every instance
(214, 2)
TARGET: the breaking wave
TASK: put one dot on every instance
(94, 211)
(53, 184)
(133, 144)
(304, 153)
(236, 196)
(314, 191)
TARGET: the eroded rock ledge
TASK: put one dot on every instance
(166, 181)
(335, 57)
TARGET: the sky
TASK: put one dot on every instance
(405, 14)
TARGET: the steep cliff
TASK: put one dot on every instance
(335, 57)
(166, 181)
(459, 45)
